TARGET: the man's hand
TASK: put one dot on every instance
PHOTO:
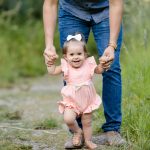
(50, 56)
(107, 58)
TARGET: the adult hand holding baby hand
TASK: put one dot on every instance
(50, 55)
(107, 58)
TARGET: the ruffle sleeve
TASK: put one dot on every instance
(64, 67)
(92, 64)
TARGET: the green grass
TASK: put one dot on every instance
(7, 145)
(136, 97)
(136, 79)
(8, 138)
(49, 123)
(21, 51)
(21, 54)
(7, 114)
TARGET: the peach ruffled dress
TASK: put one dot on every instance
(79, 94)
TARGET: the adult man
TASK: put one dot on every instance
(104, 18)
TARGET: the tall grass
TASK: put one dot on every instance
(136, 76)
(136, 98)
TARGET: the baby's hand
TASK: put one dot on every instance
(104, 61)
(50, 61)
(50, 56)
(100, 68)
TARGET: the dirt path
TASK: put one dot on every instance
(27, 107)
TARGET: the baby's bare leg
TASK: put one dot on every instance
(70, 120)
(87, 130)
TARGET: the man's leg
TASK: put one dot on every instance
(112, 86)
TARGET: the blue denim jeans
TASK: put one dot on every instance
(112, 86)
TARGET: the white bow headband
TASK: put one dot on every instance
(78, 37)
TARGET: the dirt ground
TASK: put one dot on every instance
(24, 108)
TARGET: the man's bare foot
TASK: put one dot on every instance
(77, 138)
(90, 145)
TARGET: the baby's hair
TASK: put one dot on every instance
(82, 41)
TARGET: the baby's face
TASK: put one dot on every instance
(75, 54)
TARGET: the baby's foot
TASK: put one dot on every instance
(90, 145)
(77, 138)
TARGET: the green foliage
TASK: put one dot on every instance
(21, 10)
(136, 87)
(136, 98)
(136, 72)
(136, 23)
(21, 52)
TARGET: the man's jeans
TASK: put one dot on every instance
(112, 86)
